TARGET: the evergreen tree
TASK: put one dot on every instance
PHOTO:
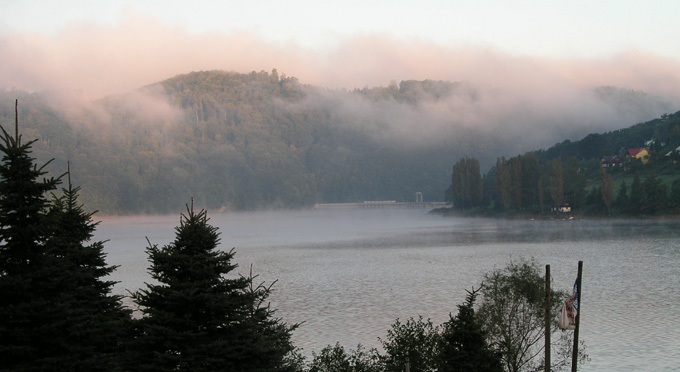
(622, 196)
(635, 198)
(463, 346)
(574, 182)
(56, 313)
(195, 318)
(654, 195)
(557, 183)
(531, 174)
(674, 198)
(27, 324)
(97, 321)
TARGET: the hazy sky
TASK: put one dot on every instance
(113, 46)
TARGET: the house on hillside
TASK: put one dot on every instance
(642, 154)
(612, 161)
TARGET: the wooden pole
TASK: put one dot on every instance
(16, 121)
(574, 354)
(547, 318)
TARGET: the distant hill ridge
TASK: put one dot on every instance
(264, 140)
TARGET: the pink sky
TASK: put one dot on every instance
(91, 58)
(100, 59)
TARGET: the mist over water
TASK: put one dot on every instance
(349, 274)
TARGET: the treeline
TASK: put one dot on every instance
(242, 141)
(536, 183)
(58, 312)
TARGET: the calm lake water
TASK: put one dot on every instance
(349, 274)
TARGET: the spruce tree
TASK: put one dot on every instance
(27, 325)
(195, 318)
(463, 346)
(56, 312)
(97, 321)
(636, 195)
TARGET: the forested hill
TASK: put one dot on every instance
(262, 140)
(663, 135)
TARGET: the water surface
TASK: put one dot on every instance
(349, 274)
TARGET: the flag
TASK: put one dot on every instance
(575, 295)
(567, 316)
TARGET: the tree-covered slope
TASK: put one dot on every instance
(239, 141)
(664, 131)
(264, 140)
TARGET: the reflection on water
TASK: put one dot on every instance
(349, 274)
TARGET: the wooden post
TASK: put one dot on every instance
(574, 354)
(16, 121)
(547, 318)
(408, 365)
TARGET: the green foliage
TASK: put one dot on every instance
(197, 319)
(466, 184)
(27, 324)
(574, 180)
(463, 346)
(330, 359)
(607, 189)
(523, 182)
(512, 314)
(79, 271)
(635, 199)
(414, 342)
(674, 198)
(241, 141)
(556, 182)
(665, 129)
(654, 195)
(57, 312)
(621, 201)
(336, 359)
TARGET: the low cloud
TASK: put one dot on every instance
(540, 98)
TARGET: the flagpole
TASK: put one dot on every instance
(574, 354)
(547, 318)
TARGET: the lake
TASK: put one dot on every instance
(348, 274)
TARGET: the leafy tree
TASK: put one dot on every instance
(330, 359)
(414, 342)
(512, 314)
(463, 346)
(336, 359)
(196, 318)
